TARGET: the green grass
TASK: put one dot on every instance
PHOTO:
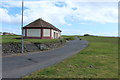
(11, 39)
(102, 53)
(70, 37)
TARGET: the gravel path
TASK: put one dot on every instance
(20, 66)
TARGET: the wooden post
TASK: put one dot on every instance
(25, 32)
(50, 34)
(41, 33)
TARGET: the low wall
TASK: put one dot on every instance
(15, 48)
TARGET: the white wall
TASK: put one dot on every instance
(46, 32)
(52, 33)
(23, 32)
(37, 33)
(59, 34)
(34, 32)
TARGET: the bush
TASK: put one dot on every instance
(87, 35)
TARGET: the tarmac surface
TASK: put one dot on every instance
(20, 66)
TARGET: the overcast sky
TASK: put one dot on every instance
(96, 17)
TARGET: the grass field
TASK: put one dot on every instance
(70, 37)
(12, 39)
(98, 60)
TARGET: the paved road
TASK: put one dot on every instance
(19, 66)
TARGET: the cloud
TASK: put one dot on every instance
(11, 3)
(87, 0)
(6, 18)
(56, 11)
(60, 4)
(99, 14)
(82, 23)
(82, 32)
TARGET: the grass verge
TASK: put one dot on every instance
(98, 60)
(12, 39)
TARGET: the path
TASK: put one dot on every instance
(19, 66)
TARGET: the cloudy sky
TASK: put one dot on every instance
(96, 17)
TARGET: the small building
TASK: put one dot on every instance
(7, 33)
(40, 29)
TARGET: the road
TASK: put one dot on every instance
(20, 66)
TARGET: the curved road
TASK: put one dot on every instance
(20, 66)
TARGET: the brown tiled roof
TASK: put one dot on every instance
(39, 23)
